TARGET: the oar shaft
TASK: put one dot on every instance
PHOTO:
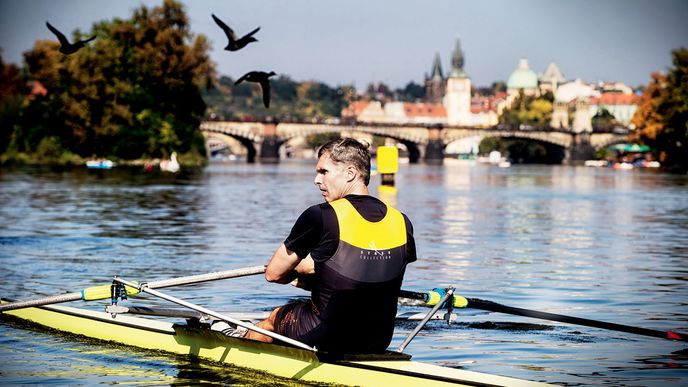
(66, 297)
(194, 279)
(495, 307)
(209, 312)
(102, 293)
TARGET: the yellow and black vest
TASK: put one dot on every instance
(368, 252)
(361, 281)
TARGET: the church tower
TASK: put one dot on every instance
(435, 83)
(457, 100)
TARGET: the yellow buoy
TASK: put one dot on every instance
(387, 159)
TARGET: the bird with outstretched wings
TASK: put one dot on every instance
(65, 46)
(235, 44)
(262, 78)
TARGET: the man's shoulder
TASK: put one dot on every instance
(316, 210)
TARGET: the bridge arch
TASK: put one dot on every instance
(246, 137)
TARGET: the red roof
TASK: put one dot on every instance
(615, 99)
(421, 109)
(355, 109)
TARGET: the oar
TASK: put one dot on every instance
(104, 291)
(146, 288)
(432, 297)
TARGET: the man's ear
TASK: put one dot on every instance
(351, 173)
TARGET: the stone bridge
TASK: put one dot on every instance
(422, 141)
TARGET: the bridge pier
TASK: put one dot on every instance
(434, 150)
(269, 148)
(580, 149)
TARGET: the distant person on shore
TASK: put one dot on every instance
(351, 252)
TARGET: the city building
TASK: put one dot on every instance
(522, 79)
(551, 79)
(621, 105)
(435, 84)
(457, 98)
(448, 101)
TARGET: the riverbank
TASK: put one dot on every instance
(68, 159)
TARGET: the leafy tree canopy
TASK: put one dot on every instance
(528, 110)
(661, 119)
(132, 93)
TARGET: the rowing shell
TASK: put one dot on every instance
(194, 338)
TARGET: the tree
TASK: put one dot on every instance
(411, 92)
(661, 119)
(603, 119)
(527, 110)
(498, 86)
(12, 90)
(133, 93)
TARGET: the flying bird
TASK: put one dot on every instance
(262, 78)
(66, 47)
(234, 43)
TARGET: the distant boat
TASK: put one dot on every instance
(622, 166)
(596, 163)
(100, 164)
(495, 158)
(171, 165)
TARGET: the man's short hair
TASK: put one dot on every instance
(349, 151)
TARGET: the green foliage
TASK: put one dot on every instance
(498, 86)
(528, 110)
(290, 100)
(489, 144)
(662, 117)
(603, 119)
(412, 92)
(132, 93)
(315, 141)
(522, 151)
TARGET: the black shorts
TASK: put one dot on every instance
(297, 320)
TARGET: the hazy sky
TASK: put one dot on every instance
(395, 41)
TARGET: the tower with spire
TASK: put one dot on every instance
(457, 99)
(435, 84)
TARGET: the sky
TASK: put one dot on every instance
(395, 41)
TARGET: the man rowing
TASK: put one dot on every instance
(352, 250)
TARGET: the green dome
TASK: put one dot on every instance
(523, 77)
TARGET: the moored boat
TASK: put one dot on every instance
(195, 338)
(100, 164)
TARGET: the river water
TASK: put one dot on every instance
(597, 243)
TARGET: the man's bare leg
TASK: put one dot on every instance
(268, 324)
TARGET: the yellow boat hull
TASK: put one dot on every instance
(280, 360)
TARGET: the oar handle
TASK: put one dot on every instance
(432, 297)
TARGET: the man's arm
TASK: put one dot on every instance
(282, 267)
